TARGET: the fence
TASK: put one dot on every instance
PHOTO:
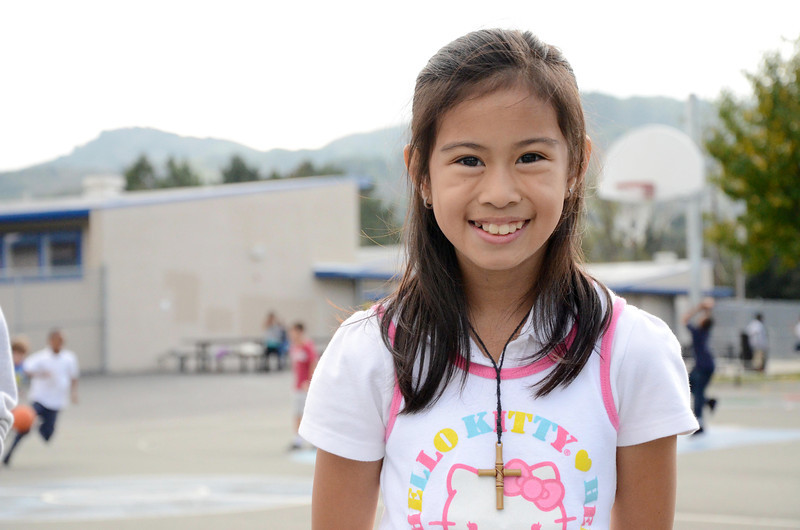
(732, 316)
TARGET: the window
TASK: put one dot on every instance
(65, 249)
(40, 254)
(24, 251)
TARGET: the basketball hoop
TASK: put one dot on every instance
(651, 164)
(640, 190)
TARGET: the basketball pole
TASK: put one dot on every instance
(694, 224)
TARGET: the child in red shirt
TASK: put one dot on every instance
(303, 357)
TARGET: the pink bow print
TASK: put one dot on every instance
(546, 494)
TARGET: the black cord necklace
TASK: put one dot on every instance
(499, 471)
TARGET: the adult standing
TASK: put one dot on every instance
(703, 370)
(797, 336)
(53, 373)
(274, 340)
(759, 342)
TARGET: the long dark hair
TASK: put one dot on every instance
(429, 307)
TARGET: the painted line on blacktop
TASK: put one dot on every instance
(718, 437)
(127, 497)
(738, 520)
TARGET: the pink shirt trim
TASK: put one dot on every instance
(481, 370)
(606, 349)
(474, 369)
(397, 396)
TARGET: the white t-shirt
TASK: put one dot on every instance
(757, 334)
(634, 390)
(51, 390)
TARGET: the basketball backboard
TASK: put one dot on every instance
(654, 162)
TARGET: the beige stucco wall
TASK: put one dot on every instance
(74, 305)
(215, 266)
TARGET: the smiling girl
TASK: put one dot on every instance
(499, 386)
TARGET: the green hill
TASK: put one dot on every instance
(377, 154)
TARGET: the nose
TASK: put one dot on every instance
(499, 187)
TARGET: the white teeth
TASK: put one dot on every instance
(503, 229)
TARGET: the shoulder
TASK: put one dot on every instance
(348, 402)
(309, 347)
(361, 328)
(649, 379)
(644, 347)
(37, 356)
(358, 341)
(639, 330)
(33, 360)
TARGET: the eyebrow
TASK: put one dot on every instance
(522, 143)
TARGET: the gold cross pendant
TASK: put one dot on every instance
(499, 472)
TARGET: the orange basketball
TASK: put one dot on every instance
(23, 418)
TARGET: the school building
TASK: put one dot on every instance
(129, 276)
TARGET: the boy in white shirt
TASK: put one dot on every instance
(53, 374)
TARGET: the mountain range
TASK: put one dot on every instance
(377, 154)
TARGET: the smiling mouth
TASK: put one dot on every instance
(501, 229)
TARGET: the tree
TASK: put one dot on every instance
(179, 175)
(772, 283)
(757, 147)
(378, 224)
(239, 171)
(140, 175)
(307, 169)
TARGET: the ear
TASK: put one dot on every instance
(407, 156)
(588, 151)
(576, 179)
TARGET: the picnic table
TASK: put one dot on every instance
(209, 351)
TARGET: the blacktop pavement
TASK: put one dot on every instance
(209, 451)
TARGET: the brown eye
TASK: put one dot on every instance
(469, 161)
(529, 158)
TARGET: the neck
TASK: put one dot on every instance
(497, 293)
(497, 303)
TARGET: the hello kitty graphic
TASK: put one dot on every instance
(533, 501)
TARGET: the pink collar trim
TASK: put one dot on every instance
(482, 370)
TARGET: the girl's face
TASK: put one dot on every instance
(498, 180)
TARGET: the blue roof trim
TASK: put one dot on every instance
(353, 275)
(53, 215)
(716, 292)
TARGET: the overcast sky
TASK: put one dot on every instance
(299, 74)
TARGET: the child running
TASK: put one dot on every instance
(500, 386)
(53, 373)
